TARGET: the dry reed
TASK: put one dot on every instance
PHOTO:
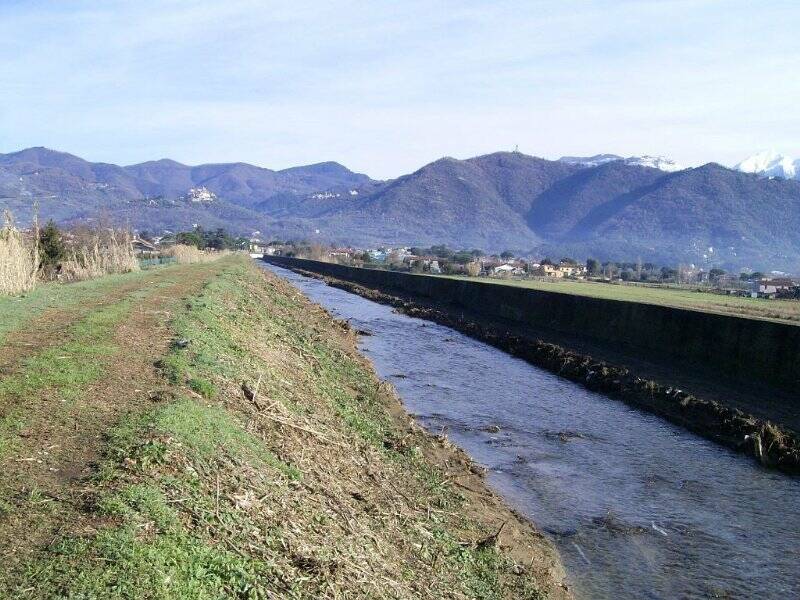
(99, 257)
(19, 261)
(185, 255)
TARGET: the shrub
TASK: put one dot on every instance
(473, 268)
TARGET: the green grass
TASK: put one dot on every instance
(149, 551)
(206, 432)
(171, 561)
(16, 311)
(203, 497)
(64, 370)
(779, 310)
(149, 554)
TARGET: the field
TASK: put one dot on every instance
(204, 431)
(758, 308)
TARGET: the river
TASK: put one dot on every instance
(638, 508)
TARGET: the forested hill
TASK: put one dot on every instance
(615, 209)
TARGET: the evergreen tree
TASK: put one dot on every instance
(51, 247)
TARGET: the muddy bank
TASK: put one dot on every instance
(771, 445)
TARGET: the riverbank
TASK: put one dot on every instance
(771, 445)
(206, 431)
(740, 351)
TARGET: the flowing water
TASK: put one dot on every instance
(638, 508)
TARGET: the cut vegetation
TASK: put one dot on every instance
(204, 431)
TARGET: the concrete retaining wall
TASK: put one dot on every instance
(733, 346)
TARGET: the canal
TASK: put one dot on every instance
(638, 508)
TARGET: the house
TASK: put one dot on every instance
(434, 267)
(378, 255)
(258, 249)
(770, 288)
(571, 270)
(143, 247)
(547, 271)
(507, 270)
(341, 253)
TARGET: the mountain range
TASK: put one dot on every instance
(657, 162)
(769, 163)
(604, 206)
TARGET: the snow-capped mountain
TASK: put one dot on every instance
(589, 161)
(769, 163)
(655, 162)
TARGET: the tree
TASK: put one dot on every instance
(190, 238)
(593, 266)
(610, 269)
(715, 274)
(667, 273)
(51, 247)
(441, 251)
(507, 255)
(219, 240)
(546, 261)
(462, 257)
(473, 268)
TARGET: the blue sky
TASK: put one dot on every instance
(384, 87)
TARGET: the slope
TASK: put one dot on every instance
(181, 482)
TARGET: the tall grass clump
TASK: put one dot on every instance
(185, 255)
(100, 254)
(19, 261)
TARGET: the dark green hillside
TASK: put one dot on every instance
(573, 205)
(745, 219)
(478, 202)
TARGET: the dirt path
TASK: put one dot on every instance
(48, 328)
(324, 487)
(60, 444)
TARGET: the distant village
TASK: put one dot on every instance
(440, 260)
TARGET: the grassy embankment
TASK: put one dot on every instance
(132, 466)
(759, 308)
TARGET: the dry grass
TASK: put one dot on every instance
(101, 255)
(186, 255)
(19, 262)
